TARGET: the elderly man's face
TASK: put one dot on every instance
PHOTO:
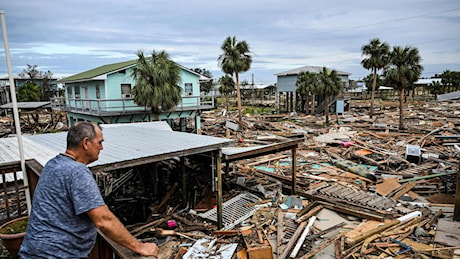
(95, 146)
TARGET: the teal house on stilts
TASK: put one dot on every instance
(104, 95)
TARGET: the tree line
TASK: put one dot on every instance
(157, 76)
(37, 86)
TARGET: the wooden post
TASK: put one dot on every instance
(219, 189)
(184, 182)
(294, 170)
(457, 197)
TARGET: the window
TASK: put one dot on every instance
(188, 89)
(77, 92)
(98, 92)
(69, 92)
(126, 90)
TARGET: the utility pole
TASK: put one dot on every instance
(15, 111)
(253, 94)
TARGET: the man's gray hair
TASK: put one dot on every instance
(79, 131)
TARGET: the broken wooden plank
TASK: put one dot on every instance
(302, 237)
(322, 246)
(293, 240)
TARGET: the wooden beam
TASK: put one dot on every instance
(294, 170)
(299, 244)
(293, 240)
(457, 197)
(218, 158)
(184, 182)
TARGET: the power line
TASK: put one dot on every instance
(361, 26)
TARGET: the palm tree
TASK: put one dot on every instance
(403, 71)
(369, 81)
(157, 79)
(227, 86)
(235, 59)
(329, 84)
(376, 58)
(306, 83)
(435, 88)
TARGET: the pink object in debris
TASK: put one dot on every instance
(172, 223)
(347, 144)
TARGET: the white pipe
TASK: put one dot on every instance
(15, 111)
(405, 218)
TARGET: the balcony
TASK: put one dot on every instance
(111, 107)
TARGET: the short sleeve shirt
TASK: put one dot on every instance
(58, 225)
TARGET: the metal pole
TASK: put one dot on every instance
(15, 111)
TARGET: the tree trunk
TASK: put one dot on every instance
(374, 82)
(307, 105)
(312, 104)
(326, 108)
(401, 114)
(238, 97)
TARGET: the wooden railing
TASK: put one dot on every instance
(122, 106)
(12, 193)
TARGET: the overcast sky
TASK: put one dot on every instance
(71, 36)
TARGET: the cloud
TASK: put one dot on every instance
(72, 36)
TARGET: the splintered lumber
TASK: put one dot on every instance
(378, 229)
(165, 198)
(293, 240)
(183, 220)
(310, 213)
(388, 186)
(267, 160)
(299, 244)
(406, 188)
(141, 230)
(322, 246)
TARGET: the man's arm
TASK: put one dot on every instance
(111, 226)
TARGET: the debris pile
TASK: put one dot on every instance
(36, 121)
(364, 189)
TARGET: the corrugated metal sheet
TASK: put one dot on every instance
(313, 69)
(131, 141)
(27, 105)
(449, 96)
(157, 125)
(9, 151)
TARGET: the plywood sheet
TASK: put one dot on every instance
(448, 233)
(387, 186)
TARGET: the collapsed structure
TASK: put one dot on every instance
(289, 187)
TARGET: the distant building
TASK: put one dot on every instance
(5, 94)
(286, 88)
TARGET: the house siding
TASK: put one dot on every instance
(286, 83)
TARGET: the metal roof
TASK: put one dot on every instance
(9, 151)
(27, 105)
(313, 69)
(110, 68)
(239, 153)
(128, 145)
(101, 70)
(449, 96)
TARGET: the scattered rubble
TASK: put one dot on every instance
(36, 121)
(364, 190)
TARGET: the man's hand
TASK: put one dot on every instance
(148, 249)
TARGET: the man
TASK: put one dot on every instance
(68, 207)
